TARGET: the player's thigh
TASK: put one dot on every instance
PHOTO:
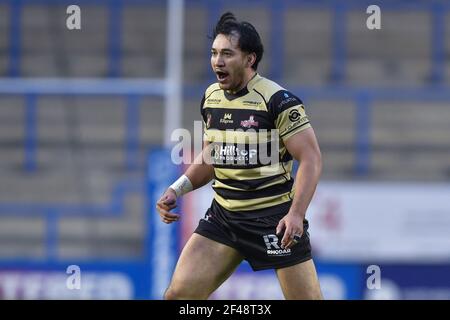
(203, 266)
(300, 281)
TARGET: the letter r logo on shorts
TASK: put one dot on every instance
(271, 241)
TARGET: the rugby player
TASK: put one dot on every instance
(258, 211)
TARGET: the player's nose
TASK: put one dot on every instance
(219, 62)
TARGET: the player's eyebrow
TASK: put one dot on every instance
(226, 50)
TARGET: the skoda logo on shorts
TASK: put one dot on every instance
(294, 115)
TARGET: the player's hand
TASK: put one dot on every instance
(292, 224)
(167, 202)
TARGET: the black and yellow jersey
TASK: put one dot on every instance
(252, 167)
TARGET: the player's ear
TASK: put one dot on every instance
(251, 58)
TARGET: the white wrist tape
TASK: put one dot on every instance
(182, 186)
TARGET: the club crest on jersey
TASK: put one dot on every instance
(250, 122)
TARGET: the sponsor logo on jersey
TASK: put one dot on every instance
(251, 103)
(298, 122)
(250, 122)
(288, 100)
(294, 115)
(213, 101)
(226, 119)
(232, 153)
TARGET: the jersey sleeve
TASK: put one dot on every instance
(288, 113)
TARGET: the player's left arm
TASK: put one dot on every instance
(303, 146)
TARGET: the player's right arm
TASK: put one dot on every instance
(197, 175)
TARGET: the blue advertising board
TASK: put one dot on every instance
(163, 239)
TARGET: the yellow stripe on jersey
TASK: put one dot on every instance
(240, 136)
(279, 180)
(254, 204)
(253, 173)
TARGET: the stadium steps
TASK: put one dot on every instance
(13, 248)
(96, 237)
(308, 33)
(196, 33)
(64, 184)
(197, 69)
(40, 188)
(49, 157)
(11, 132)
(48, 44)
(87, 65)
(411, 124)
(78, 237)
(4, 24)
(334, 125)
(83, 53)
(144, 29)
(99, 156)
(447, 50)
(37, 54)
(3, 64)
(27, 227)
(417, 166)
(404, 73)
(333, 121)
(411, 140)
(398, 53)
(38, 65)
(21, 236)
(402, 35)
(142, 66)
(99, 249)
(307, 72)
(144, 41)
(104, 229)
(11, 159)
(447, 71)
(4, 39)
(307, 52)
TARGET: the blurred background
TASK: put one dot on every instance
(84, 115)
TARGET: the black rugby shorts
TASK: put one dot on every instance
(255, 237)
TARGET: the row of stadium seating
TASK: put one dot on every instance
(398, 54)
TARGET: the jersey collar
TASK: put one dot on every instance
(244, 90)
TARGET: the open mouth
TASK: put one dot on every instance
(221, 75)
